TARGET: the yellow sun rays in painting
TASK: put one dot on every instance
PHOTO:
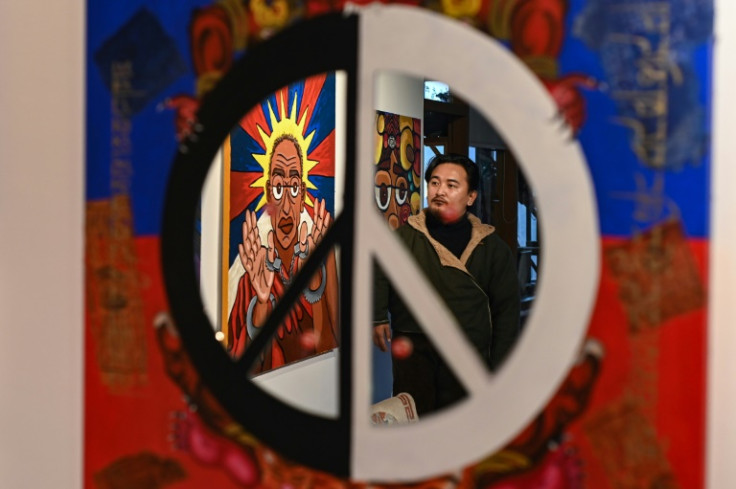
(281, 125)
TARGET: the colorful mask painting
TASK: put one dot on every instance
(398, 167)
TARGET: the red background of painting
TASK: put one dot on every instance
(137, 419)
(681, 383)
(140, 418)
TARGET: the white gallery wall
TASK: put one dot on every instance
(41, 247)
(721, 445)
(41, 243)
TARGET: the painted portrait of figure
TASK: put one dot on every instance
(280, 166)
(398, 167)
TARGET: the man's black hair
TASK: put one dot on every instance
(471, 169)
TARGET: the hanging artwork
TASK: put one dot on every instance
(629, 82)
(398, 166)
(280, 172)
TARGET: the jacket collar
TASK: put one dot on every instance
(477, 233)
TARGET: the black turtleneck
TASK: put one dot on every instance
(454, 236)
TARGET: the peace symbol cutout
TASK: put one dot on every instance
(497, 406)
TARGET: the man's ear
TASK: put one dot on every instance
(304, 196)
(472, 195)
(268, 192)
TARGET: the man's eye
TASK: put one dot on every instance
(294, 190)
(278, 191)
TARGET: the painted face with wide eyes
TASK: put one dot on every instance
(392, 197)
(286, 192)
(448, 192)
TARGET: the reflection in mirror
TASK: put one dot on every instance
(277, 201)
(470, 223)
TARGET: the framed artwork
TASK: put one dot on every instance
(279, 200)
(398, 166)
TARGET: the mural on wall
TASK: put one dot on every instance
(398, 167)
(280, 163)
(631, 80)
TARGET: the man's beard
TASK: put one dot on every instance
(445, 214)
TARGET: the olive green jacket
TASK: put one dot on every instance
(480, 288)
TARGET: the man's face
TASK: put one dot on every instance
(286, 193)
(448, 192)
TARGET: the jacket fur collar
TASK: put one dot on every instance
(447, 258)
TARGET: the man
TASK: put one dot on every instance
(471, 268)
(290, 235)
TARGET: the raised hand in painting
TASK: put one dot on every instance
(253, 256)
(308, 241)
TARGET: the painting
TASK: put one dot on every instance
(631, 84)
(398, 167)
(279, 202)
